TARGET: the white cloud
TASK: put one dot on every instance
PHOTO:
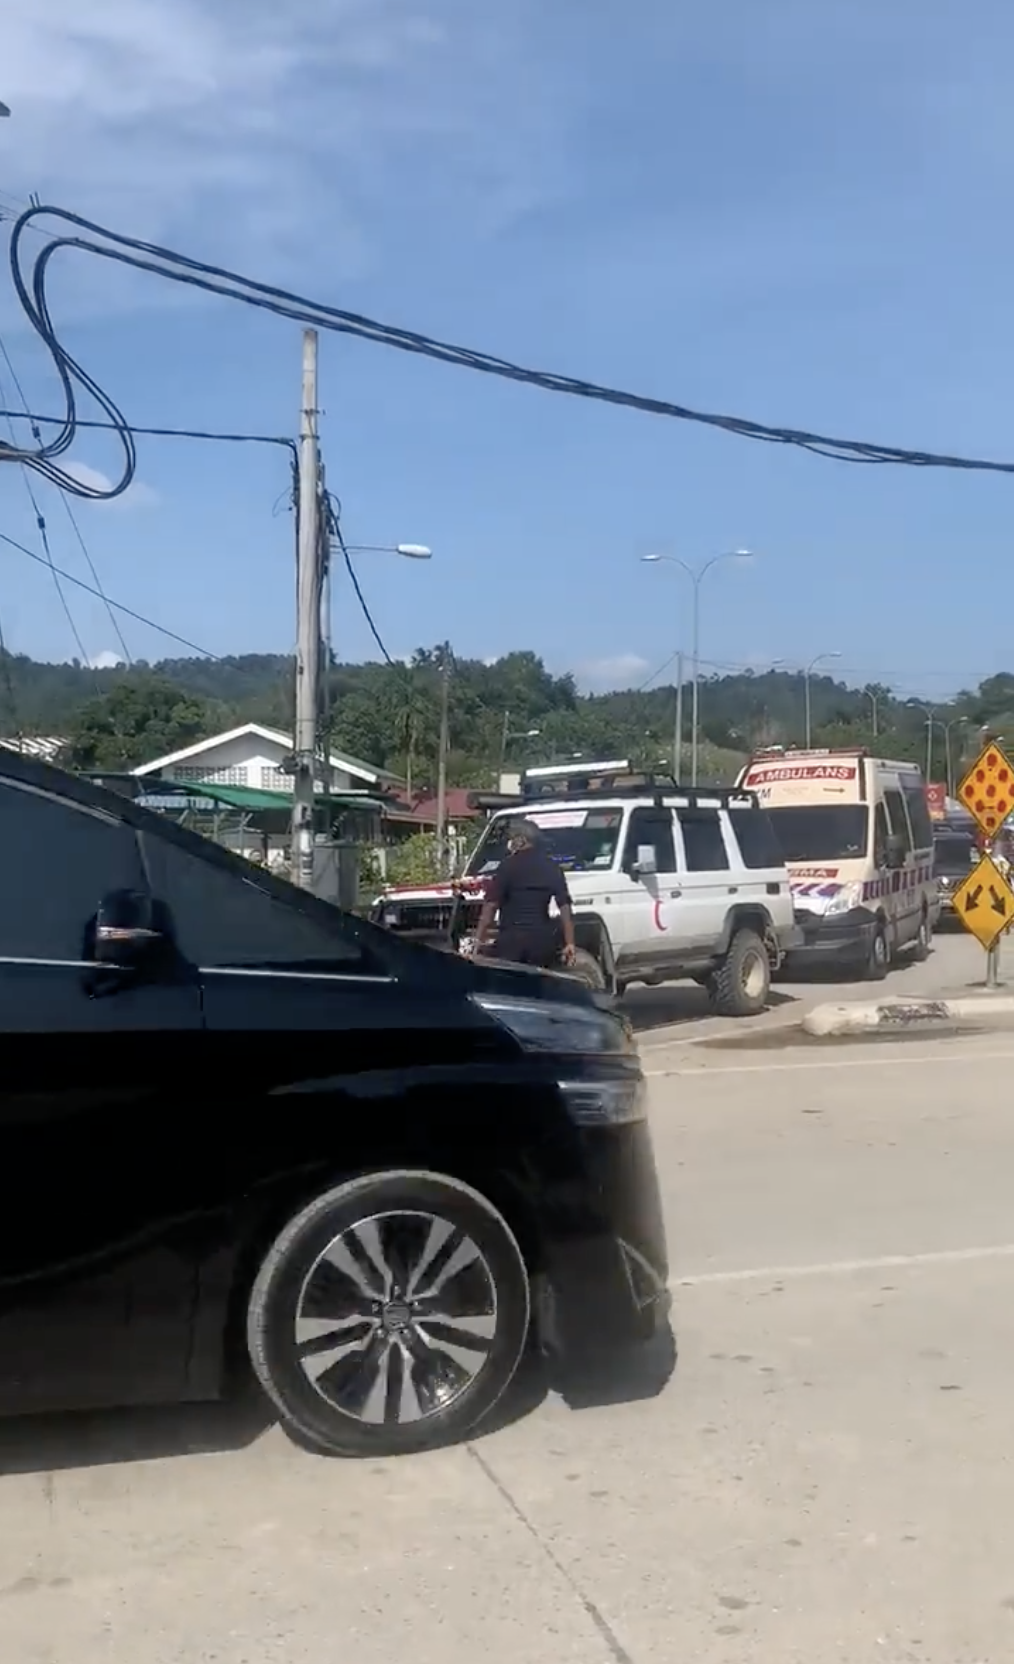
(106, 660)
(616, 671)
(255, 133)
(137, 495)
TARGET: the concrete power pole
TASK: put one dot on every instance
(445, 692)
(677, 749)
(309, 579)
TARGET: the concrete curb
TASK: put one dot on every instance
(826, 1022)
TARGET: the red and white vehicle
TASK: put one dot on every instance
(857, 839)
(666, 883)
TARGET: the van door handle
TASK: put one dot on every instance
(675, 894)
(734, 889)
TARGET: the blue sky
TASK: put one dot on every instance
(792, 211)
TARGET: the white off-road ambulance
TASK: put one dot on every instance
(858, 844)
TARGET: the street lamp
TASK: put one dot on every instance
(410, 551)
(508, 735)
(818, 658)
(696, 576)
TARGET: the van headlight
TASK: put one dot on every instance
(551, 1026)
(849, 896)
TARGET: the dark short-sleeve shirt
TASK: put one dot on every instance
(523, 886)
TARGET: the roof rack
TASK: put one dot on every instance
(581, 779)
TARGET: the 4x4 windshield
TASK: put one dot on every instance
(581, 840)
(821, 831)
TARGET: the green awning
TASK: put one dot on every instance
(253, 800)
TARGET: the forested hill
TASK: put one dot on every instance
(389, 714)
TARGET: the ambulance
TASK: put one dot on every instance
(857, 838)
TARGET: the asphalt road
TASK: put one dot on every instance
(825, 1479)
(956, 964)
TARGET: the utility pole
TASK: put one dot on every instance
(445, 695)
(677, 745)
(309, 577)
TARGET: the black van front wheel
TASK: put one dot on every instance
(390, 1315)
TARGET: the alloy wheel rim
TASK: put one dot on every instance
(396, 1317)
(753, 977)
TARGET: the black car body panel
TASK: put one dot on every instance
(157, 1133)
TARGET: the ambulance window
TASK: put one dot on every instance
(880, 836)
(918, 814)
(898, 818)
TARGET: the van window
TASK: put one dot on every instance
(223, 919)
(59, 860)
(756, 838)
(880, 832)
(919, 817)
(898, 817)
(654, 827)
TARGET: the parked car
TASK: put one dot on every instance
(667, 883)
(237, 1121)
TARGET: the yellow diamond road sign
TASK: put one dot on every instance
(984, 902)
(987, 790)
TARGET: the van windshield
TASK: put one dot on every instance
(581, 840)
(821, 831)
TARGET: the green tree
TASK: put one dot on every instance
(143, 717)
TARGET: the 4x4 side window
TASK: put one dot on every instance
(59, 861)
(651, 828)
(703, 841)
(222, 918)
(755, 835)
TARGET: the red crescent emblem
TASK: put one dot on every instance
(658, 917)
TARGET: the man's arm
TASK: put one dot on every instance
(561, 895)
(492, 901)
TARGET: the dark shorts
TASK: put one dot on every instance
(540, 948)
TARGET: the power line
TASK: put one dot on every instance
(163, 262)
(40, 522)
(332, 510)
(27, 416)
(128, 612)
(162, 433)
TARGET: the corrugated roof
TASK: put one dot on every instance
(251, 798)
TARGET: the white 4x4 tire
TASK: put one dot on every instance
(741, 983)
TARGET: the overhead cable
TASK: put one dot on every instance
(30, 284)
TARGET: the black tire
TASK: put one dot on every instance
(878, 958)
(586, 969)
(741, 982)
(400, 1389)
(924, 937)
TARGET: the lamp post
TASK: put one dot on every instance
(696, 576)
(955, 722)
(818, 658)
(508, 735)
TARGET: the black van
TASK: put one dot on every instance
(237, 1120)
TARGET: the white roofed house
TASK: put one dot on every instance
(242, 781)
(254, 757)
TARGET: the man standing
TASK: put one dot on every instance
(524, 885)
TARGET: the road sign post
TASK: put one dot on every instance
(984, 900)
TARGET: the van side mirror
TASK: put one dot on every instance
(127, 930)
(895, 851)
